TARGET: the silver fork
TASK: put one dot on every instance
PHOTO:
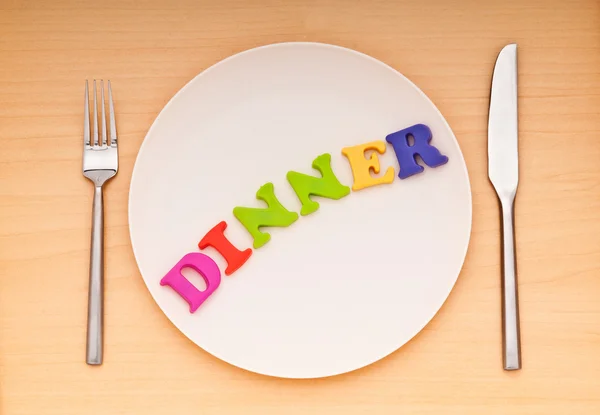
(100, 163)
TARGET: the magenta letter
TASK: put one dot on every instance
(204, 266)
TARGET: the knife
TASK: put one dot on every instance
(503, 171)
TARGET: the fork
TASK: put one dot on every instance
(100, 164)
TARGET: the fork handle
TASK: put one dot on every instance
(510, 304)
(95, 316)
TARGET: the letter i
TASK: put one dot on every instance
(217, 239)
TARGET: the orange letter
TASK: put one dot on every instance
(217, 239)
(362, 166)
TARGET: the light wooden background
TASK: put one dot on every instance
(150, 49)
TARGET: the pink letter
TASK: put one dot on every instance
(204, 266)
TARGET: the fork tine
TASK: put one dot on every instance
(86, 116)
(95, 117)
(103, 113)
(111, 111)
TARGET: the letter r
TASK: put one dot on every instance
(406, 153)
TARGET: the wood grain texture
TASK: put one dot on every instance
(150, 49)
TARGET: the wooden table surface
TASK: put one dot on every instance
(150, 49)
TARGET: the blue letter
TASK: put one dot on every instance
(406, 153)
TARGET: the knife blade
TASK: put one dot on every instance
(503, 171)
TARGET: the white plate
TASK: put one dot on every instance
(338, 289)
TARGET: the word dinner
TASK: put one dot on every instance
(304, 186)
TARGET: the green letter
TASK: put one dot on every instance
(326, 186)
(274, 215)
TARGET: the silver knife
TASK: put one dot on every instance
(503, 171)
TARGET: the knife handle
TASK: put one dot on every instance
(511, 340)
